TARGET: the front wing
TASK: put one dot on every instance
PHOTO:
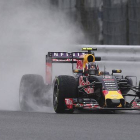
(91, 104)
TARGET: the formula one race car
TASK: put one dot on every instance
(89, 88)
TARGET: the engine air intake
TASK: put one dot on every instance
(90, 58)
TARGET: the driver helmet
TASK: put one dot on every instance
(92, 68)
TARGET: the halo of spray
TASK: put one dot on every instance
(29, 29)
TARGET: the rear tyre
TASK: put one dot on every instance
(138, 93)
(130, 83)
(64, 87)
(30, 89)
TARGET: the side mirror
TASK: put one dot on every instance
(116, 71)
(78, 71)
(97, 58)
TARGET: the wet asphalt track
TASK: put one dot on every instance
(86, 126)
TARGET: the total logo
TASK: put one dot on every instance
(114, 96)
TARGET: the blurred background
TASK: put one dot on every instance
(105, 21)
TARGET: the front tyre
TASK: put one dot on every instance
(64, 87)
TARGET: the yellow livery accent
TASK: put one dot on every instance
(88, 58)
(116, 71)
(113, 95)
(76, 71)
(119, 105)
(119, 71)
(86, 49)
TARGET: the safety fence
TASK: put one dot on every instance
(115, 22)
(105, 21)
(120, 53)
(134, 21)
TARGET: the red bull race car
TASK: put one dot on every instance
(89, 88)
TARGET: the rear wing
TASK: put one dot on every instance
(59, 57)
(64, 57)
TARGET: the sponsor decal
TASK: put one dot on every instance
(91, 106)
(63, 60)
(79, 64)
(59, 60)
(107, 77)
(65, 54)
(69, 103)
(110, 83)
(114, 95)
(87, 106)
(60, 54)
(88, 90)
(78, 54)
(136, 104)
(78, 105)
(119, 91)
(108, 80)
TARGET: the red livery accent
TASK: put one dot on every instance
(91, 106)
(135, 105)
(88, 90)
(69, 103)
(105, 92)
(61, 60)
(49, 73)
(119, 91)
(79, 64)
